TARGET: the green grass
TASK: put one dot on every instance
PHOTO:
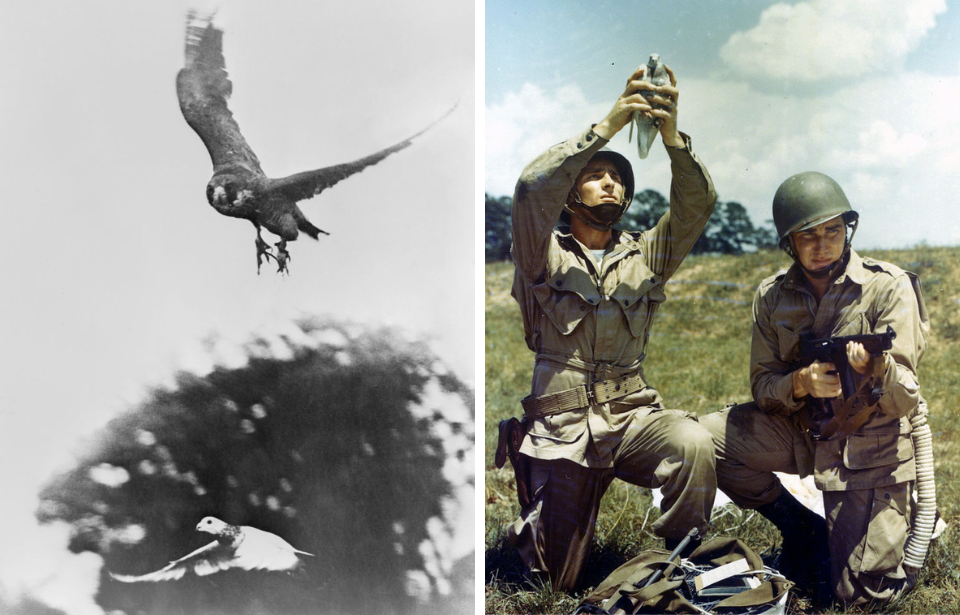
(698, 359)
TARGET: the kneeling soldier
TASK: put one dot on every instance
(588, 295)
(859, 449)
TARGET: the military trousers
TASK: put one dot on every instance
(866, 528)
(668, 449)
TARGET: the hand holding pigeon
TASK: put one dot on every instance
(650, 103)
(655, 73)
(236, 546)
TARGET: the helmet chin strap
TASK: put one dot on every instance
(831, 270)
(588, 221)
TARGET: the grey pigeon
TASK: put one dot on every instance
(648, 127)
(239, 188)
(236, 546)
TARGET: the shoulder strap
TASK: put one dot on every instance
(921, 304)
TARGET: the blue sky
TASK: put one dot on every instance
(115, 267)
(862, 91)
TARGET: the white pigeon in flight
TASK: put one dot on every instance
(648, 127)
(236, 546)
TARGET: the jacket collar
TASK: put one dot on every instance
(620, 238)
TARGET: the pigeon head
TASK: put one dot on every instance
(211, 525)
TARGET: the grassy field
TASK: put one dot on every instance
(698, 358)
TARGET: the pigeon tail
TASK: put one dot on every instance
(646, 135)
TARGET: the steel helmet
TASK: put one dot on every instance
(806, 200)
(589, 214)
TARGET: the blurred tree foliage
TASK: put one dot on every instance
(728, 231)
(498, 235)
(342, 442)
(647, 208)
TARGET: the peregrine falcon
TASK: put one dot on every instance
(239, 188)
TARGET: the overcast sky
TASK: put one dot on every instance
(864, 91)
(115, 267)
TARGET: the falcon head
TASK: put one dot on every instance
(222, 191)
(231, 197)
(211, 525)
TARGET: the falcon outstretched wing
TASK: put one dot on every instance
(205, 560)
(203, 89)
(307, 184)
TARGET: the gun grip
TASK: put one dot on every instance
(847, 383)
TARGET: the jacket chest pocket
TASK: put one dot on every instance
(789, 343)
(566, 297)
(638, 304)
(852, 323)
(637, 291)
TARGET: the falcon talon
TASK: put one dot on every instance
(282, 257)
(263, 250)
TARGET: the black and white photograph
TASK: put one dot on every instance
(238, 314)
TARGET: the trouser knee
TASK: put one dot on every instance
(696, 445)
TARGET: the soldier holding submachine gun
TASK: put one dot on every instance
(833, 370)
(829, 418)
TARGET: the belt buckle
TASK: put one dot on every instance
(600, 372)
(599, 375)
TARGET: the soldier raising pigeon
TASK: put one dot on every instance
(236, 546)
(239, 188)
(655, 73)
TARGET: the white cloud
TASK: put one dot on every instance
(895, 155)
(527, 123)
(533, 119)
(809, 41)
(891, 154)
(45, 571)
(882, 144)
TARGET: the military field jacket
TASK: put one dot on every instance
(866, 298)
(582, 319)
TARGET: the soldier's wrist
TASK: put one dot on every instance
(799, 388)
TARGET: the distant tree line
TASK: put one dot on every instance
(729, 230)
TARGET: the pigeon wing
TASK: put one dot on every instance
(205, 560)
(262, 550)
(203, 89)
(307, 184)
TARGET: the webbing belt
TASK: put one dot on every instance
(582, 396)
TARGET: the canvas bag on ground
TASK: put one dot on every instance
(763, 589)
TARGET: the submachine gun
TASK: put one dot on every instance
(830, 422)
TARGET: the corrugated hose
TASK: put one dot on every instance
(915, 551)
